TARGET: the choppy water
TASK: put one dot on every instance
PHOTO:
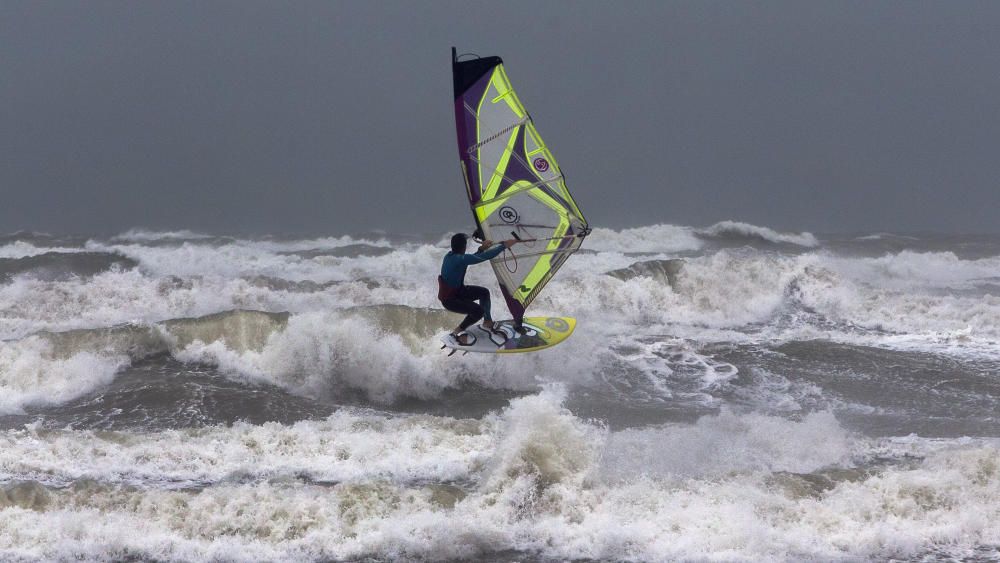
(730, 393)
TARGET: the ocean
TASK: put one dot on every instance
(731, 393)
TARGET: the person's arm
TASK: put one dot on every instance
(469, 259)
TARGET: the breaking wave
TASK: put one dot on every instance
(144, 235)
(732, 393)
(51, 368)
(62, 266)
(381, 351)
(533, 480)
(737, 231)
(362, 316)
(652, 239)
(21, 249)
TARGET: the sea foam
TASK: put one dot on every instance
(532, 479)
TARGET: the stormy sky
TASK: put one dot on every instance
(254, 117)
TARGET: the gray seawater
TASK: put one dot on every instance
(731, 393)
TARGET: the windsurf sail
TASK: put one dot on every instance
(515, 187)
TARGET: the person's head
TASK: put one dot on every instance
(458, 243)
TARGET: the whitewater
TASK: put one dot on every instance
(731, 393)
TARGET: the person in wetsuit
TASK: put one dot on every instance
(460, 298)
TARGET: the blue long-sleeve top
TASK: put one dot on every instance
(454, 265)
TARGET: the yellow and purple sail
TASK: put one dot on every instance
(515, 187)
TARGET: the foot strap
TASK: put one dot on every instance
(472, 338)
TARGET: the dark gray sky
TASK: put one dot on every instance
(337, 116)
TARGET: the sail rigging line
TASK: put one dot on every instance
(472, 150)
(546, 252)
(513, 191)
(528, 243)
(514, 155)
(553, 238)
(522, 225)
(514, 256)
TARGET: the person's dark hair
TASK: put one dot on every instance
(458, 243)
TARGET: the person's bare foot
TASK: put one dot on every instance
(488, 325)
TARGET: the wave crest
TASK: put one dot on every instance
(738, 231)
(654, 238)
(62, 266)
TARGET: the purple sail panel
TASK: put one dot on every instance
(470, 79)
(517, 171)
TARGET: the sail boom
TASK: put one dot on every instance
(539, 253)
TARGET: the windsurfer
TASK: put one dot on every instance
(457, 297)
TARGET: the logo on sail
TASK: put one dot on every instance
(509, 215)
(540, 164)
